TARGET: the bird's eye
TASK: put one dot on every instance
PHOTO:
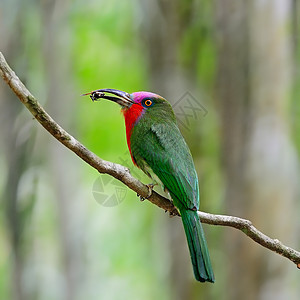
(148, 102)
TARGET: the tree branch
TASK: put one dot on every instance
(123, 174)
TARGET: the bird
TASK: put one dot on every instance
(158, 148)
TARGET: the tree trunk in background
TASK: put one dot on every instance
(19, 138)
(57, 60)
(254, 81)
(163, 27)
(161, 33)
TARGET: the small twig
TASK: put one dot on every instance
(123, 174)
(252, 232)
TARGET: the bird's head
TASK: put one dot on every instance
(136, 105)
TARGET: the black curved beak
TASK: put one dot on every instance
(124, 99)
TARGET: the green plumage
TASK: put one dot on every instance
(157, 146)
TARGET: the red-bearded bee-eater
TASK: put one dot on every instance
(157, 146)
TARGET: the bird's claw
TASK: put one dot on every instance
(150, 187)
(171, 213)
(141, 197)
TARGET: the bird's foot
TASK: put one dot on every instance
(141, 197)
(150, 187)
(171, 213)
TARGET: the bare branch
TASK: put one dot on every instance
(252, 232)
(123, 174)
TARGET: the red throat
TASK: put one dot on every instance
(131, 115)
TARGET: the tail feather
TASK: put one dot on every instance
(197, 246)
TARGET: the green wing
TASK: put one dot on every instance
(162, 148)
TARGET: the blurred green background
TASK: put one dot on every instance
(68, 232)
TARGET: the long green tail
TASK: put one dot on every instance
(197, 245)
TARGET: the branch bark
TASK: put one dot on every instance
(123, 174)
